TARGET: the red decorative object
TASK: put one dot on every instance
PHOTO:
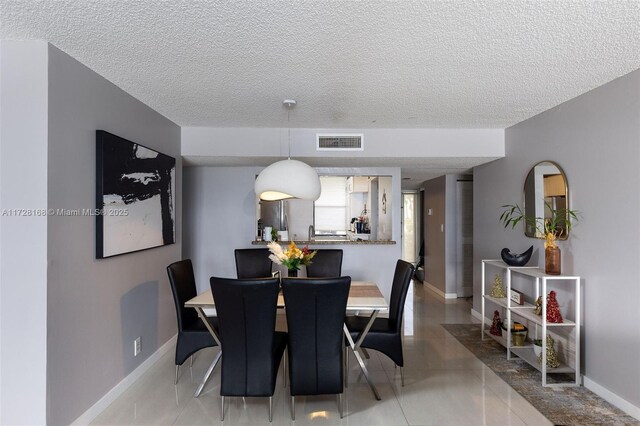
(496, 328)
(553, 310)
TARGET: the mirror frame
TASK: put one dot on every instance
(524, 197)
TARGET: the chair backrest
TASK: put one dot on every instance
(246, 322)
(183, 286)
(315, 320)
(401, 280)
(326, 264)
(253, 263)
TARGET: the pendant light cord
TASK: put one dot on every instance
(289, 127)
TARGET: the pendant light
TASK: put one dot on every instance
(288, 178)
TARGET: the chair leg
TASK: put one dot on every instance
(366, 354)
(270, 409)
(222, 408)
(340, 405)
(284, 372)
(402, 376)
(175, 382)
(293, 407)
(346, 366)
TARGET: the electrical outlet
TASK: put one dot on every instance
(137, 346)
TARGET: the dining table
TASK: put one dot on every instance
(364, 296)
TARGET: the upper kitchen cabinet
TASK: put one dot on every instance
(357, 184)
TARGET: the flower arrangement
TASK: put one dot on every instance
(292, 257)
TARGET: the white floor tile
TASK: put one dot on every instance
(445, 384)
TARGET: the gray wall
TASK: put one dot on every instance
(440, 236)
(596, 140)
(23, 239)
(220, 216)
(82, 314)
(96, 308)
(434, 237)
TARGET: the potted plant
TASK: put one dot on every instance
(555, 225)
(537, 346)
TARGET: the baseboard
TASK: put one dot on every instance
(97, 408)
(477, 315)
(466, 292)
(441, 293)
(611, 397)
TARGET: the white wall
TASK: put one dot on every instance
(23, 239)
(219, 216)
(595, 138)
(273, 142)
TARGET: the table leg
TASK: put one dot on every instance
(355, 346)
(207, 375)
(207, 324)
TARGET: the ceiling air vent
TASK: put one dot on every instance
(340, 142)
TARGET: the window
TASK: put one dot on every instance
(330, 210)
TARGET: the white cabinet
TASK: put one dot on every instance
(357, 184)
(524, 313)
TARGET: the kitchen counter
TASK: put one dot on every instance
(328, 242)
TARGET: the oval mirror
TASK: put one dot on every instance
(545, 187)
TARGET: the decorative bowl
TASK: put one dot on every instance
(514, 259)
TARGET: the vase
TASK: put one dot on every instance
(552, 260)
(292, 273)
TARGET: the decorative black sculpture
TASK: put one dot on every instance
(513, 259)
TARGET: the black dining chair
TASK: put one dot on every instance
(385, 334)
(192, 333)
(252, 349)
(325, 264)
(315, 321)
(253, 263)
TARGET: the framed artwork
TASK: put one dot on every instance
(135, 196)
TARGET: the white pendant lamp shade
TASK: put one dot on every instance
(288, 179)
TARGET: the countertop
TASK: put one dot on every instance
(328, 242)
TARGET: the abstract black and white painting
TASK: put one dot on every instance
(135, 196)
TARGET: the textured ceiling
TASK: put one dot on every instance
(348, 64)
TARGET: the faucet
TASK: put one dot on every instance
(312, 232)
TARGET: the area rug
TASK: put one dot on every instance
(562, 406)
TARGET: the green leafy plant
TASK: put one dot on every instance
(553, 227)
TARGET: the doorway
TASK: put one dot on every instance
(410, 227)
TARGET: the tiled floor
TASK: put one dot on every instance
(444, 385)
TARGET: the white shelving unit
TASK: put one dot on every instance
(526, 312)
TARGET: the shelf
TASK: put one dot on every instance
(502, 301)
(498, 339)
(532, 271)
(524, 313)
(539, 273)
(526, 353)
(502, 265)
(527, 313)
(496, 263)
